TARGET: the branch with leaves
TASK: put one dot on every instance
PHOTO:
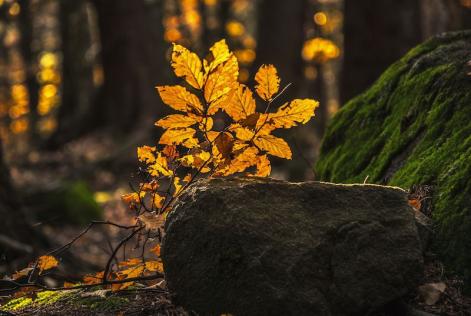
(217, 132)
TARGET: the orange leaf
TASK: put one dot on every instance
(47, 263)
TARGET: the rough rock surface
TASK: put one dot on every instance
(267, 247)
(413, 127)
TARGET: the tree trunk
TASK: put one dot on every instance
(30, 63)
(77, 114)
(443, 15)
(280, 40)
(377, 33)
(133, 58)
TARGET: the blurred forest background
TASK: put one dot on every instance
(77, 85)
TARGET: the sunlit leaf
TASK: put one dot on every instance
(220, 54)
(220, 83)
(154, 266)
(292, 113)
(146, 154)
(178, 136)
(47, 263)
(273, 145)
(177, 121)
(263, 166)
(241, 104)
(268, 82)
(187, 65)
(180, 99)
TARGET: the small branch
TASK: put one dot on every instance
(17, 285)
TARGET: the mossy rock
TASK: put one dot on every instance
(68, 202)
(413, 127)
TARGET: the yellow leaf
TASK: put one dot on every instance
(206, 124)
(177, 136)
(220, 83)
(154, 266)
(297, 111)
(273, 145)
(246, 159)
(180, 99)
(146, 154)
(160, 167)
(268, 82)
(220, 53)
(158, 200)
(46, 263)
(241, 104)
(187, 65)
(242, 133)
(132, 272)
(263, 166)
(176, 121)
(177, 185)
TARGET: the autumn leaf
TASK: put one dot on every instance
(292, 113)
(156, 250)
(160, 167)
(263, 166)
(154, 266)
(179, 136)
(241, 104)
(220, 53)
(180, 99)
(268, 82)
(187, 65)
(47, 263)
(146, 154)
(93, 278)
(244, 160)
(176, 121)
(220, 82)
(273, 145)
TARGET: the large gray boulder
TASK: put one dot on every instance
(267, 247)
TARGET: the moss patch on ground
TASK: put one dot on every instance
(413, 127)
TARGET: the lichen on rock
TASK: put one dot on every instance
(413, 127)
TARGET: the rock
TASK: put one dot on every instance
(413, 127)
(266, 247)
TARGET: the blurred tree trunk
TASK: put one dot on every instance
(133, 58)
(30, 60)
(77, 113)
(444, 15)
(17, 236)
(280, 39)
(377, 33)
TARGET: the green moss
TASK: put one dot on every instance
(43, 298)
(71, 203)
(104, 304)
(413, 126)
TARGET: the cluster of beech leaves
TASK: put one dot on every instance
(217, 132)
(194, 141)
